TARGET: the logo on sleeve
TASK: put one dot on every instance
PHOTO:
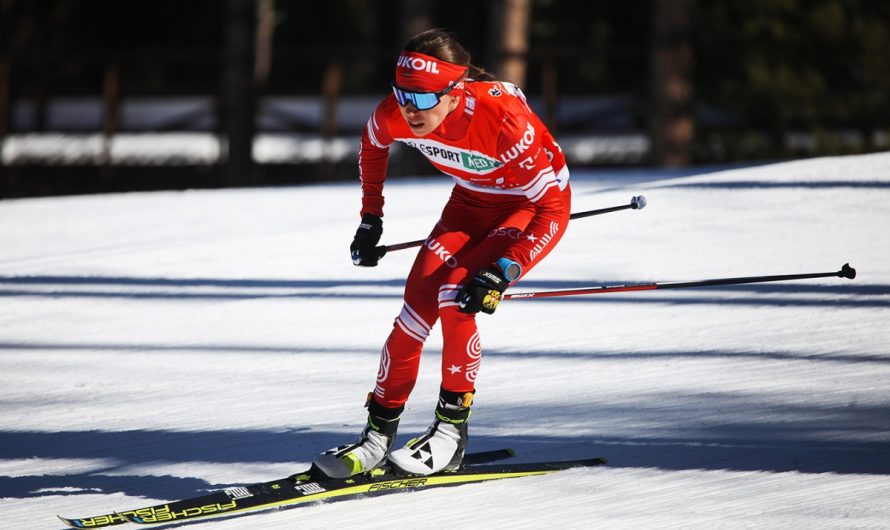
(543, 241)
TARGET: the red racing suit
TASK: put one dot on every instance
(511, 199)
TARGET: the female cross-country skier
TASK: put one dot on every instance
(508, 209)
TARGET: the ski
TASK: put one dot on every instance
(292, 493)
(232, 494)
(303, 489)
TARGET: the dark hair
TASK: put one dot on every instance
(442, 45)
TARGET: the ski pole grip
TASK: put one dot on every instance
(847, 272)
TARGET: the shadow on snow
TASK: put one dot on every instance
(810, 184)
(11, 347)
(775, 294)
(714, 432)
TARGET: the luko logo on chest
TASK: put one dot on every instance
(528, 138)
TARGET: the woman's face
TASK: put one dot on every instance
(423, 122)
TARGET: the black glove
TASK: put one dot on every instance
(364, 244)
(483, 292)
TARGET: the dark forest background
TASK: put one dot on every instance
(704, 81)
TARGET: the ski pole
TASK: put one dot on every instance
(636, 203)
(846, 272)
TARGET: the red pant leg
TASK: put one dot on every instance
(462, 347)
(400, 358)
(469, 236)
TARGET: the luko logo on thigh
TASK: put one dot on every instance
(441, 252)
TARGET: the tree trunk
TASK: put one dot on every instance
(415, 18)
(510, 39)
(237, 107)
(330, 91)
(265, 33)
(110, 114)
(672, 121)
(5, 98)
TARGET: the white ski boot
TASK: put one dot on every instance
(442, 447)
(369, 450)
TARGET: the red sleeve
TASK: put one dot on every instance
(522, 140)
(373, 156)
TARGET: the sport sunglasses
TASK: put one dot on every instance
(421, 100)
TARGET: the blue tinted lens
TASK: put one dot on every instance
(421, 100)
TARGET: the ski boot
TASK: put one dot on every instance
(442, 447)
(369, 450)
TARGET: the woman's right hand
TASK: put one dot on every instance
(364, 245)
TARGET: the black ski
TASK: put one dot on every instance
(302, 487)
(290, 493)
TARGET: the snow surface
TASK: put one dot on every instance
(159, 345)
